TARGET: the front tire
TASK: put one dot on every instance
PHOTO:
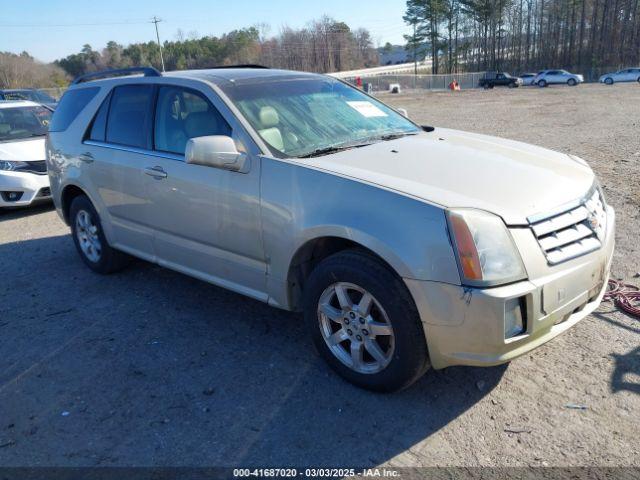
(608, 81)
(90, 241)
(542, 83)
(364, 323)
(572, 82)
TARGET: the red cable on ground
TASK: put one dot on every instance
(624, 296)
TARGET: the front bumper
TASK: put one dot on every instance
(31, 188)
(466, 326)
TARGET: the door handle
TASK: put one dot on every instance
(87, 157)
(155, 172)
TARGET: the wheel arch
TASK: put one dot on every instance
(315, 249)
(68, 194)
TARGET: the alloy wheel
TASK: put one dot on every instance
(356, 328)
(87, 234)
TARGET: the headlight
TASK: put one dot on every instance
(484, 248)
(11, 165)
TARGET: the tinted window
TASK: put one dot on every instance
(182, 114)
(70, 106)
(99, 124)
(130, 115)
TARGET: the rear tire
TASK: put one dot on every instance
(90, 241)
(343, 329)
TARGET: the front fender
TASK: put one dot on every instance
(300, 204)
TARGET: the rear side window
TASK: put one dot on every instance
(70, 106)
(99, 125)
(130, 115)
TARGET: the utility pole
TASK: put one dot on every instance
(156, 21)
(415, 52)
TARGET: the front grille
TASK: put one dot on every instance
(38, 166)
(572, 232)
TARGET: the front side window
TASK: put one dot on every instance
(22, 123)
(130, 115)
(299, 116)
(182, 114)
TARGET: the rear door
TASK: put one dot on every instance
(117, 146)
(206, 221)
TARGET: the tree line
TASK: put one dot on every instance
(22, 70)
(325, 45)
(588, 36)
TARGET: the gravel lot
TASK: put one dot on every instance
(152, 368)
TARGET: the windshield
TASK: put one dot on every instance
(297, 117)
(23, 122)
(33, 95)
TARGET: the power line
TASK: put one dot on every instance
(93, 24)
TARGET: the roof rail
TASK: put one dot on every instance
(244, 65)
(147, 71)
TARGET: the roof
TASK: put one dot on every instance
(218, 76)
(18, 103)
(11, 90)
(239, 75)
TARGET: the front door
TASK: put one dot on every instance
(206, 221)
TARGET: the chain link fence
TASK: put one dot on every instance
(386, 83)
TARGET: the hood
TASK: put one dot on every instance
(457, 169)
(23, 150)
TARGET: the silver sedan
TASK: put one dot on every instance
(557, 77)
(626, 75)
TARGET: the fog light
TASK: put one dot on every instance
(514, 318)
(11, 196)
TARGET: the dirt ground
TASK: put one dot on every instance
(152, 368)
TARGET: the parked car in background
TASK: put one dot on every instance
(625, 75)
(23, 171)
(556, 77)
(30, 94)
(499, 79)
(303, 192)
(527, 78)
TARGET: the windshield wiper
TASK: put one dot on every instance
(319, 152)
(393, 136)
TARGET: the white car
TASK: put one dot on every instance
(626, 75)
(527, 78)
(555, 77)
(23, 170)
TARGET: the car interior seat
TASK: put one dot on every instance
(270, 132)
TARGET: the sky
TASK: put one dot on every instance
(52, 29)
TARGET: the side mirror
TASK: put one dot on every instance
(403, 112)
(217, 151)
